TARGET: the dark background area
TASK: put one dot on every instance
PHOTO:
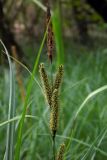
(22, 23)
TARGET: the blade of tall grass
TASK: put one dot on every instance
(99, 143)
(80, 142)
(91, 95)
(40, 5)
(26, 68)
(29, 88)
(98, 140)
(58, 36)
(17, 118)
(11, 111)
(40, 125)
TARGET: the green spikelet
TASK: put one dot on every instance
(58, 78)
(60, 155)
(54, 113)
(45, 82)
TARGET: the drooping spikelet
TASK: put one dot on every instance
(58, 78)
(60, 155)
(50, 42)
(45, 82)
(54, 113)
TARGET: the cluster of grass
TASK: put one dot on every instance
(84, 73)
(82, 121)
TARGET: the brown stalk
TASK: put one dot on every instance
(50, 44)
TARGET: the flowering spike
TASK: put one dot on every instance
(60, 155)
(54, 113)
(45, 82)
(58, 78)
(50, 44)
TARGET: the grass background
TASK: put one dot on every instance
(84, 72)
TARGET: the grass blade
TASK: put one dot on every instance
(29, 88)
(99, 143)
(98, 140)
(91, 95)
(58, 36)
(11, 112)
(17, 118)
(40, 5)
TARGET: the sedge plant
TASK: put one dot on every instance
(51, 89)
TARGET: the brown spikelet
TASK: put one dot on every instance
(45, 82)
(58, 78)
(50, 44)
(60, 155)
(54, 113)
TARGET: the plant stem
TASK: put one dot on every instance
(53, 146)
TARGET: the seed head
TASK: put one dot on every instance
(50, 44)
(58, 78)
(45, 82)
(54, 113)
(60, 155)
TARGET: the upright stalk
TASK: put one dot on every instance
(53, 147)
